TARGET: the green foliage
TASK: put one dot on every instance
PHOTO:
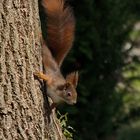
(131, 132)
(67, 130)
(103, 28)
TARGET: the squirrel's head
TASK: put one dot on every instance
(68, 90)
(63, 90)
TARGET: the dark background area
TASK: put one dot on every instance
(103, 53)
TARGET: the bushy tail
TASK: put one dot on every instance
(60, 28)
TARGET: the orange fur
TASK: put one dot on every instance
(44, 77)
(60, 35)
(60, 28)
(73, 78)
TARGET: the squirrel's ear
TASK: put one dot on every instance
(73, 78)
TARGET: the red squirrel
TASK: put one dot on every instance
(60, 36)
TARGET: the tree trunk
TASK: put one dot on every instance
(24, 109)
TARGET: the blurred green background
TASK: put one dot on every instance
(107, 54)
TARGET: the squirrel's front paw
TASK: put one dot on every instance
(38, 74)
(44, 77)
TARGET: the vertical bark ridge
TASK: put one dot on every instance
(23, 107)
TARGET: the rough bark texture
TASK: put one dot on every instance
(24, 111)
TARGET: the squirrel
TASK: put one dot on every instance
(60, 36)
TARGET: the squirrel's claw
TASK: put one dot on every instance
(44, 77)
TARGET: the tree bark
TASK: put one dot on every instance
(24, 109)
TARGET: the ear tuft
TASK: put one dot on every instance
(73, 78)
